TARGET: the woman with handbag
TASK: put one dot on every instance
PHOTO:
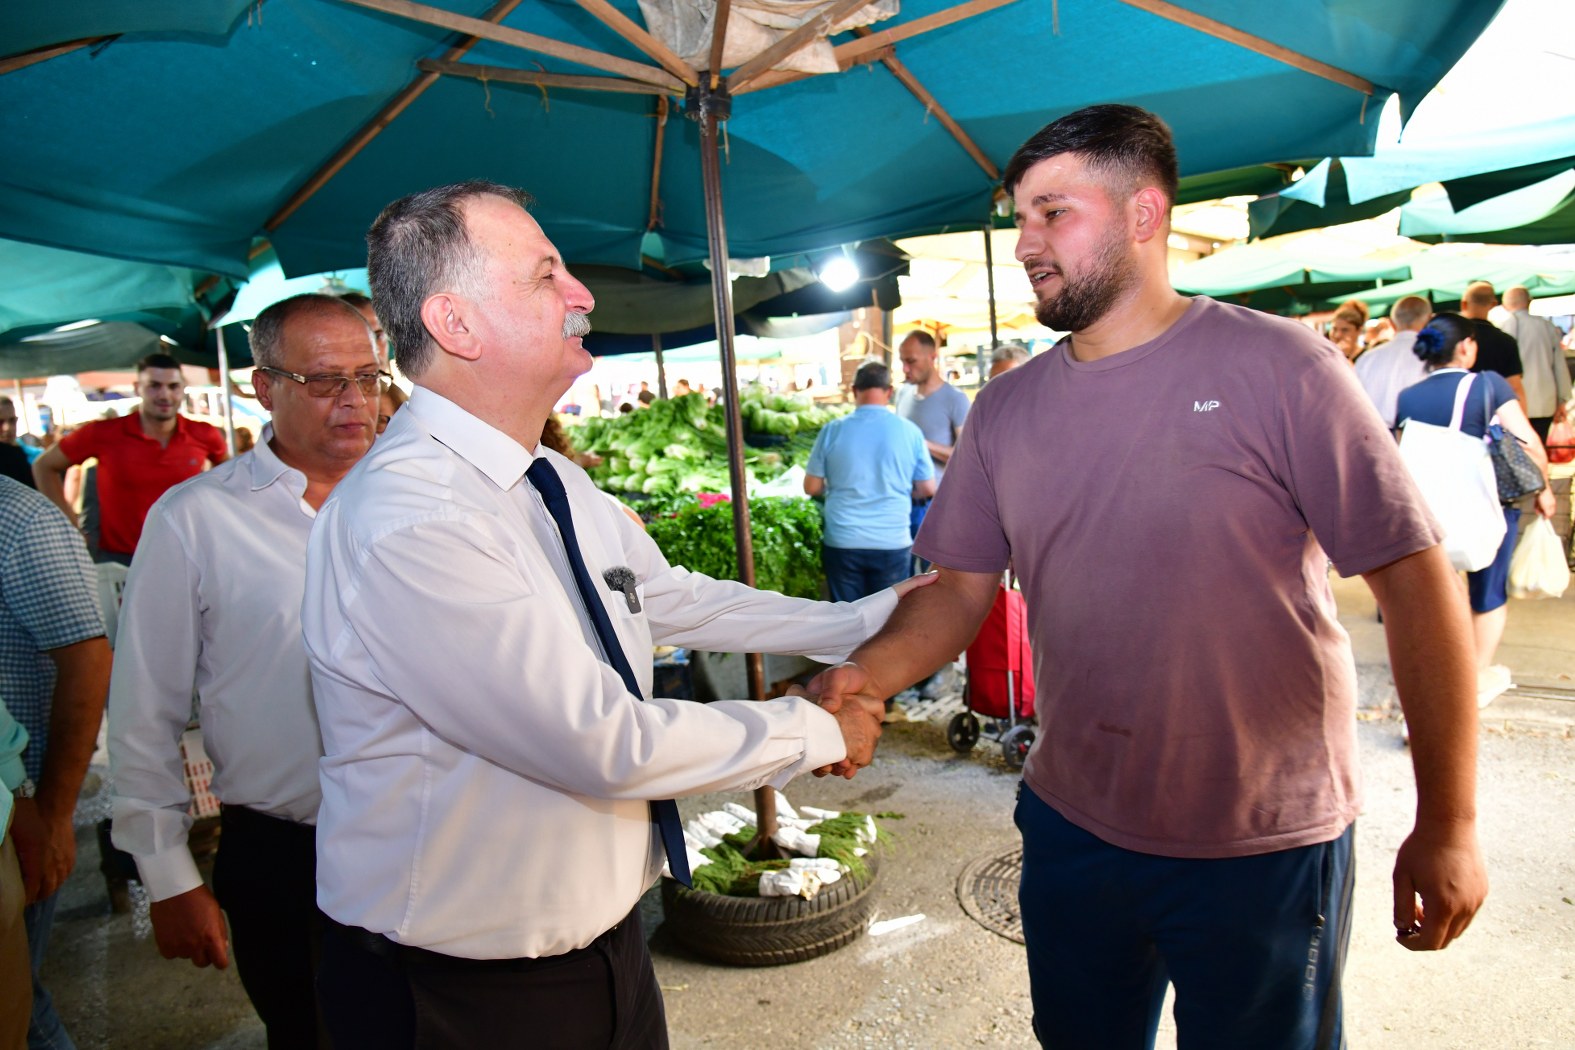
(1448, 348)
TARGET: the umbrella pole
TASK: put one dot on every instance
(224, 391)
(708, 105)
(989, 276)
(661, 366)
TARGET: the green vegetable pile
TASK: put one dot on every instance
(680, 445)
(786, 532)
(733, 874)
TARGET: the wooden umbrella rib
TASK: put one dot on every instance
(382, 119)
(637, 35)
(486, 29)
(510, 75)
(847, 53)
(774, 78)
(906, 78)
(1263, 47)
(724, 10)
(794, 41)
(12, 63)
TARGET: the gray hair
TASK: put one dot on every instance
(417, 247)
(267, 334)
(1411, 311)
(1009, 353)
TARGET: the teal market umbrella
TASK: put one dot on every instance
(1441, 276)
(1542, 213)
(1281, 278)
(1473, 165)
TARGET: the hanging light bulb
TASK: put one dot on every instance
(840, 272)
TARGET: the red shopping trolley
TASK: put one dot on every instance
(1000, 683)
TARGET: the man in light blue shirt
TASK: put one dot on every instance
(870, 467)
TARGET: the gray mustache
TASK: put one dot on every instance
(576, 325)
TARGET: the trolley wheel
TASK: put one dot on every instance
(962, 732)
(1015, 745)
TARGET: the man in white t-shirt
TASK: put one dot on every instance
(1386, 370)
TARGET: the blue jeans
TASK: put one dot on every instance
(1254, 945)
(45, 1031)
(852, 573)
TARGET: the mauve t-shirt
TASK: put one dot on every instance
(1167, 509)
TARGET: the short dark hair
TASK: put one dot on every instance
(417, 245)
(1436, 342)
(872, 375)
(157, 360)
(1124, 142)
(356, 299)
(267, 333)
(921, 337)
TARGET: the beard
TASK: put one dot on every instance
(576, 326)
(1086, 298)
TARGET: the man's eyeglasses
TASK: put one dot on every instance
(369, 383)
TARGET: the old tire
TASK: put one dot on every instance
(770, 931)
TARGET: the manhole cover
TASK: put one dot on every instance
(987, 889)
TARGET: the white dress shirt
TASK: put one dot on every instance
(1543, 371)
(1386, 370)
(213, 606)
(486, 774)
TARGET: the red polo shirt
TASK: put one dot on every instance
(134, 470)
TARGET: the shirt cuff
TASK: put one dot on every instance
(169, 873)
(823, 744)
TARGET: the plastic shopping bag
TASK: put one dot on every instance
(1538, 569)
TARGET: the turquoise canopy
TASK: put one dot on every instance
(175, 133)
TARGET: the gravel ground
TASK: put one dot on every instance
(948, 982)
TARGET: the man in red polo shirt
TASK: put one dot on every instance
(139, 457)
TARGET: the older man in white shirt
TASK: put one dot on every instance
(1386, 370)
(1544, 370)
(479, 620)
(212, 607)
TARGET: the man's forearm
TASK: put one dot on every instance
(942, 454)
(928, 629)
(1432, 659)
(81, 684)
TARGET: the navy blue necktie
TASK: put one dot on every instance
(665, 811)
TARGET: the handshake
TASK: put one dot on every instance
(847, 692)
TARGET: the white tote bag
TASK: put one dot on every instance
(1455, 474)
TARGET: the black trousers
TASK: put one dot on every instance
(378, 995)
(265, 879)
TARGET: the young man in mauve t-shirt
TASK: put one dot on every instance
(1170, 484)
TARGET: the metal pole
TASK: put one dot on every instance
(224, 389)
(661, 367)
(989, 276)
(707, 105)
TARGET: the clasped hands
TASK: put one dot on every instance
(847, 692)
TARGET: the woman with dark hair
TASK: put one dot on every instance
(1448, 347)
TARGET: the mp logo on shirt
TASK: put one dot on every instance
(1205, 406)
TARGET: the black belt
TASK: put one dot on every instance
(384, 947)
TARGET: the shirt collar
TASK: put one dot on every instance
(267, 468)
(502, 459)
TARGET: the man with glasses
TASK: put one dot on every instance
(213, 607)
(139, 457)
